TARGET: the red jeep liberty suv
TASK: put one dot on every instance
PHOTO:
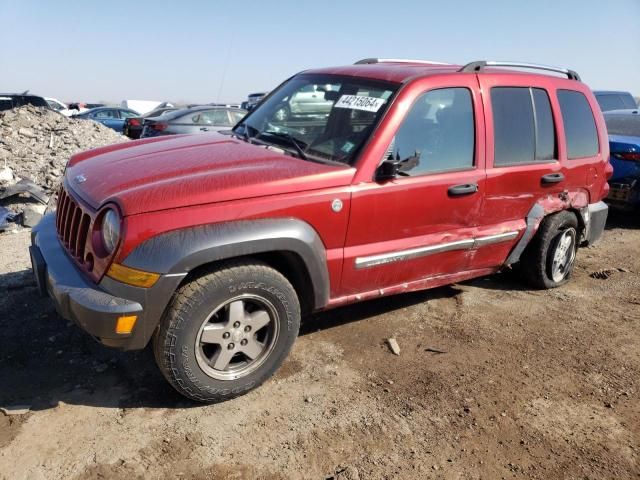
(343, 184)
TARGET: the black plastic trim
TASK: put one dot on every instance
(533, 218)
(180, 251)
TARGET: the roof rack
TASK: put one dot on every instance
(369, 61)
(479, 65)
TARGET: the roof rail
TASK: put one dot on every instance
(368, 61)
(479, 65)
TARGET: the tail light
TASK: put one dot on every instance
(159, 126)
(134, 122)
(633, 156)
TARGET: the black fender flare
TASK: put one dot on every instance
(177, 252)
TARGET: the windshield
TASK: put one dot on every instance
(319, 117)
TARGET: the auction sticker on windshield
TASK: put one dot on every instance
(359, 102)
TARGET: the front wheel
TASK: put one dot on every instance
(548, 260)
(227, 331)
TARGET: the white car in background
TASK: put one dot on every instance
(144, 106)
(59, 107)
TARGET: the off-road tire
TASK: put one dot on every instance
(536, 261)
(174, 342)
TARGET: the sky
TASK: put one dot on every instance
(215, 51)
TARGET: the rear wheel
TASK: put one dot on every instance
(548, 260)
(227, 331)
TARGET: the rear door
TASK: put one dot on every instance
(421, 223)
(522, 154)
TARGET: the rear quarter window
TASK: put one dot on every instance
(579, 125)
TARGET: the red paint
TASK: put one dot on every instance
(165, 184)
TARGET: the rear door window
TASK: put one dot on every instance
(523, 126)
(579, 125)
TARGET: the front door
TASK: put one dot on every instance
(421, 223)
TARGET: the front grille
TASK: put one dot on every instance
(72, 224)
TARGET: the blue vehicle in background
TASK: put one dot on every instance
(623, 127)
(112, 117)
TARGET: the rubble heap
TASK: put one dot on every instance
(35, 145)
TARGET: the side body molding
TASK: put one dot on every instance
(180, 251)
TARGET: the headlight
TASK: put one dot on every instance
(110, 230)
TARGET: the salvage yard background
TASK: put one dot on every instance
(529, 384)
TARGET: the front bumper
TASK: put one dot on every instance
(95, 308)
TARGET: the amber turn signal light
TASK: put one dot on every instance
(125, 324)
(131, 276)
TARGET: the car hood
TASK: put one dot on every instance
(164, 173)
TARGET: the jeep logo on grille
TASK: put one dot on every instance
(80, 178)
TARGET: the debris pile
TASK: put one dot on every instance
(35, 145)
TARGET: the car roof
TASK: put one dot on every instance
(402, 71)
(394, 72)
(20, 95)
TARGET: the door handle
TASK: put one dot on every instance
(551, 178)
(204, 129)
(463, 189)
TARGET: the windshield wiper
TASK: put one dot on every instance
(291, 140)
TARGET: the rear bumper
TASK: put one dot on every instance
(595, 217)
(624, 193)
(95, 308)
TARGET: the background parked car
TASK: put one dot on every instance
(254, 98)
(192, 120)
(310, 101)
(614, 100)
(81, 107)
(110, 117)
(623, 127)
(144, 106)
(133, 125)
(58, 106)
(13, 100)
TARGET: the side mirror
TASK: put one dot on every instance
(391, 168)
(388, 169)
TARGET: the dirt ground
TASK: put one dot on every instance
(493, 381)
